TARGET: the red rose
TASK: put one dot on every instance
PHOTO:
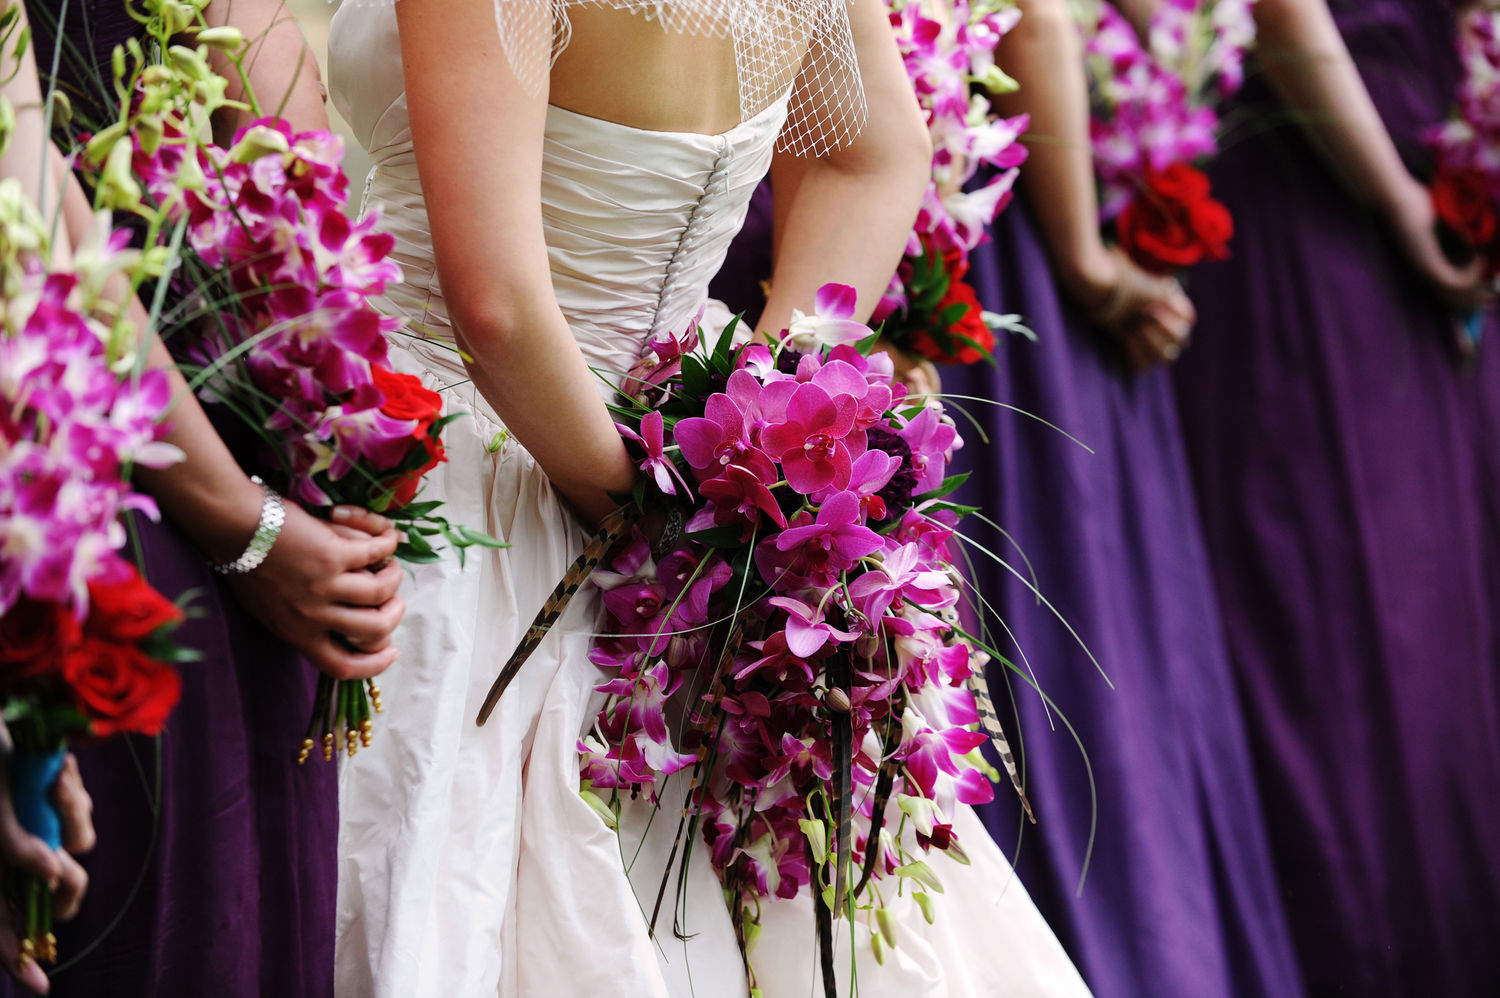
(405, 487)
(33, 638)
(1465, 203)
(123, 607)
(971, 325)
(405, 397)
(119, 689)
(1173, 223)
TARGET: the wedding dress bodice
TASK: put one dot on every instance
(636, 221)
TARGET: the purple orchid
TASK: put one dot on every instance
(656, 463)
(810, 443)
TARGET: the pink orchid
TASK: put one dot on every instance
(831, 323)
(739, 496)
(810, 444)
(721, 437)
(656, 463)
(807, 629)
(833, 543)
(931, 441)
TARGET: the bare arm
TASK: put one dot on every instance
(844, 218)
(282, 72)
(1309, 66)
(480, 162)
(1045, 55)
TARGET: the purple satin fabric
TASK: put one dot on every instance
(1348, 472)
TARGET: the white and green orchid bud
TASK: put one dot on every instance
(257, 142)
(751, 930)
(996, 80)
(178, 17)
(117, 185)
(886, 920)
(117, 62)
(188, 63)
(148, 131)
(602, 809)
(7, 123)
(924, 901)
(156, 75)
(103, 143)
(226, 39)
(61, 108)
(877, 947)
(922, 874)
(817, 838)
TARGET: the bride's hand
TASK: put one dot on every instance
(316, 590)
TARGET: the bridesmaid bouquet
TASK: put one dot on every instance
(796, 646)
(1466, 179)
(1155, 123)
(278, 289)
(84, 642)
(950, 58)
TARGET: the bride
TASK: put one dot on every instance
(560, 189)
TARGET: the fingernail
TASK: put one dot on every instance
(342, 512)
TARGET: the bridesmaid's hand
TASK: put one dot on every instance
(1414, 222)
(329, 589)
(918, 374)
(1149, 314)
(21, 849)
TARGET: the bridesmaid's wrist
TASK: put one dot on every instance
(222, 522)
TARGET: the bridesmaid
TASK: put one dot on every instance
(1179, 898)
(215, 866)
(1347, 462)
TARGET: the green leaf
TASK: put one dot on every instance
(726, 338)
(950, 484)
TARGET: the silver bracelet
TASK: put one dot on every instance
(272, 517)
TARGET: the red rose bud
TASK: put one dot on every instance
(119, 689)
(33, 638)
(1465, 203)
(123, 607)
(1174, 223)
(405, 487)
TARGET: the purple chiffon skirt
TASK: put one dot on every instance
(1176, 894)
(1348, 469)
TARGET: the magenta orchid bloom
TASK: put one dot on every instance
(810, 444)
(739, 496)
(833, 543)
(831, 323)
(807, 630)
(656, 463)
(721, 437)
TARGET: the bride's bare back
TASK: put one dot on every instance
(622, 67)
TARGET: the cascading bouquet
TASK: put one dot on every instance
(278, 287)
(950, 57)
(84, 640)
(1466, 174)
(1154, 123)
(799, 632)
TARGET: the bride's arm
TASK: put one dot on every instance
(845, 217)
(478, 142)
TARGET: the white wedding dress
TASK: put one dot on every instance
(469, 865)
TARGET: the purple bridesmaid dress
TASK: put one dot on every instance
(1348, 472)
(215, 871)
(1180, 898)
